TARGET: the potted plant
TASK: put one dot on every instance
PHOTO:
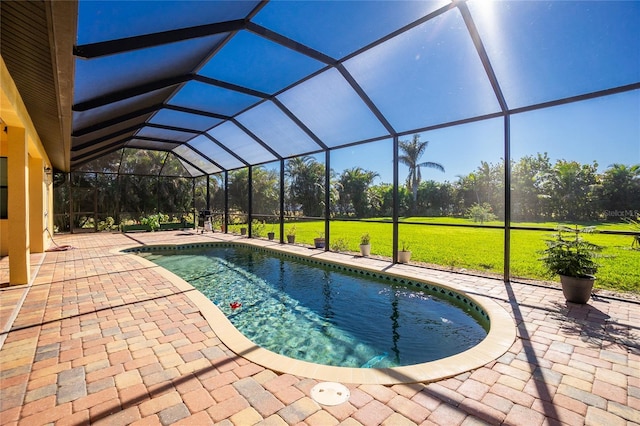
(319, 242)
(243, 230)
(135, 227)
(291, 235)
(573, 259)
(153, 221)
(404, 255)
(365, 244)
(272, 234)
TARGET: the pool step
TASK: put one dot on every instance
(373, 361)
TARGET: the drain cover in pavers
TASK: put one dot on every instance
(330, 393)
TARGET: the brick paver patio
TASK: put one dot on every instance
(96, 339)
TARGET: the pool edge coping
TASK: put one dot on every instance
(501, 335)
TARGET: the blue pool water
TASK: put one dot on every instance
(324, 315)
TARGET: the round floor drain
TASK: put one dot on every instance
(330, 393)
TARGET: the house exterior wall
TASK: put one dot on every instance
(30, 201)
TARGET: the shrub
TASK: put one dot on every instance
(257, 228)
(635, 225)
(107, 225)
(481, 213)
(153, 221)
(340, 244)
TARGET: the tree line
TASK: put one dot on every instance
(541, 190)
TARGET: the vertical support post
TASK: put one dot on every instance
(49, 212)
(226, 201)
(396, 207)
(36, 222)
(18, 209)
(71, 204)
(507, 198)
(118, 216)
(250, 190)
(281, 201)
(327, 198)
(196, 218)
(120, 185)
(95, 202)
(158, 193)
(208, 200)
(70, 192)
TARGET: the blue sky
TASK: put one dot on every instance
(540, 51)
(606, 130)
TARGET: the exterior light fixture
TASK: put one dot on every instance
(48, 175)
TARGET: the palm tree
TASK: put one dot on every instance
(354, 190)
(306, 184)
(411, 153)
(620, 185)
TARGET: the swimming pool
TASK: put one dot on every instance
(500, 337)
(325, 315)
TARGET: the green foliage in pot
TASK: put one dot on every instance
(107, 225)
(153, 221)
(571, 255)
(365, 239)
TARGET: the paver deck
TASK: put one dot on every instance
(98, 339)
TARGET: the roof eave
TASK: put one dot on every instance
(39, 58)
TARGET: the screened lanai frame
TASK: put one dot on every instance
(116, 109)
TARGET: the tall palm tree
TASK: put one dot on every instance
(620, 185)
(354, 189)
(411, 151)
(306, 184)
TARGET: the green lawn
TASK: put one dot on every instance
(481, 249)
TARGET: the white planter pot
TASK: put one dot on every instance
(365, 250)
(577, 290)
(404, 256)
